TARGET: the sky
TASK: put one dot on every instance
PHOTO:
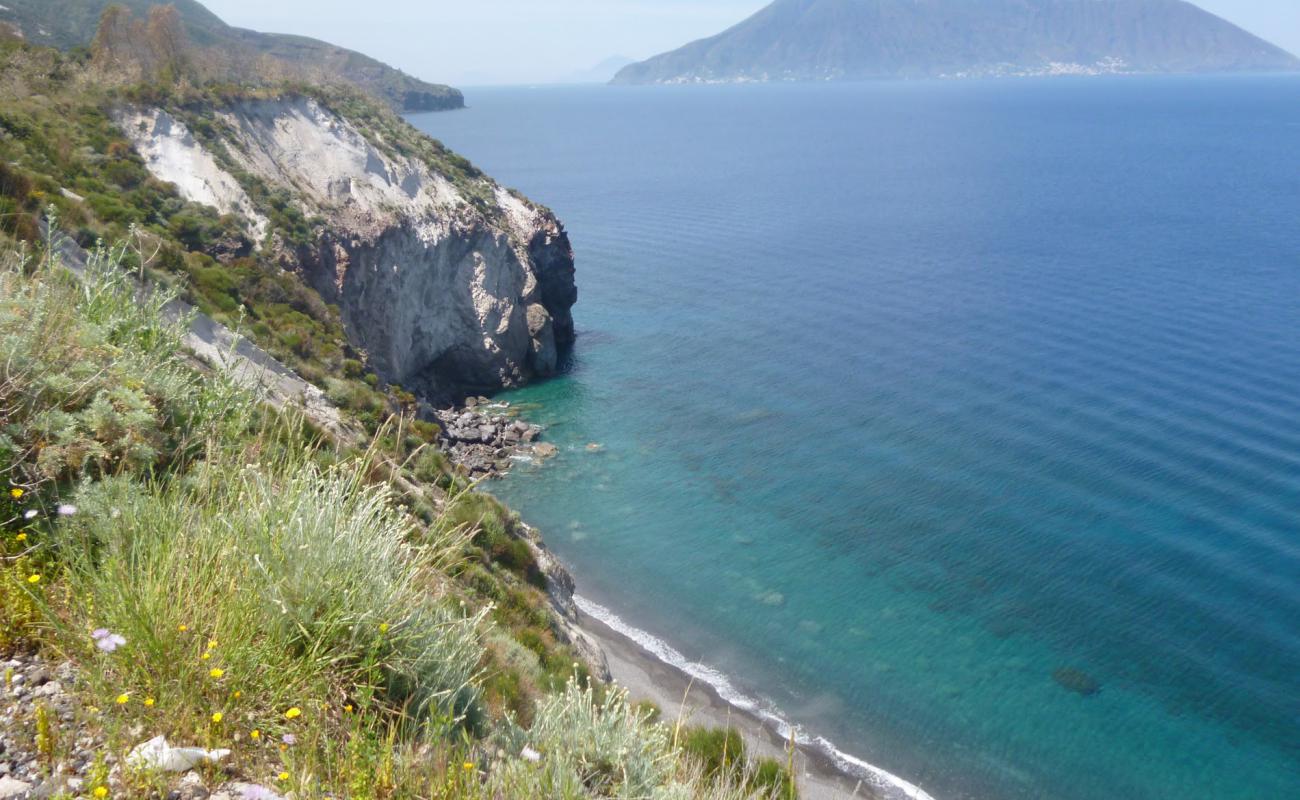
(475, 42)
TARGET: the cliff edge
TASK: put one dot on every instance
(449, 283)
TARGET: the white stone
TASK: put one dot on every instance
(158, 754)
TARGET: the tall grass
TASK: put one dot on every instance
(299, 577)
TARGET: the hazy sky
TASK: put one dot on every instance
(524, 41)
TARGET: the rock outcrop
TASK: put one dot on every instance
(449, 283)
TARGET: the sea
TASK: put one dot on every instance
(954, 424)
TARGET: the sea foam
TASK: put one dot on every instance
(892, 786)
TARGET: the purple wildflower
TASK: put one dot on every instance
(106, 640)
(255, 792)
(290, 739)
(66, 510)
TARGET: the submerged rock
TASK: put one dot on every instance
(1077, 681)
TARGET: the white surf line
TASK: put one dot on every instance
(702, 672)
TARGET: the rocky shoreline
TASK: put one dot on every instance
(484, 437)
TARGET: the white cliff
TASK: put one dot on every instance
(449, 287)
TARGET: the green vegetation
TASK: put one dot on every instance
(227, 53)
(721, 752)
(222, 575)
(59, 146)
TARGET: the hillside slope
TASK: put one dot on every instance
(818, 40)
(72, 23)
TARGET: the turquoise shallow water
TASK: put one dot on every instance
(910, 395)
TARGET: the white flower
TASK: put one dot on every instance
(529, 754)
(106, 640)
(67, 510)
(30, 513)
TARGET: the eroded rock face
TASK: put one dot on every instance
(445, 297)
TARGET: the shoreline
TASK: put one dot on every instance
(651, 669)
(821, 772)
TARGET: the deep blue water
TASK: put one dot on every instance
(910, 395)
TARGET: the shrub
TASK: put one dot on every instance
(92, 376)
(721, 756)
(302, 578)
(590, 748)
(719, 750)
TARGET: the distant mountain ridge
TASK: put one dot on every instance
(818, 40)
(72, 23)
(600, 73)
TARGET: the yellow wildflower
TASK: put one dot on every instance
(182, 628)
(468, 765)
(216, 672)
(284, 776)
(238, 694)
(206, 656)
(348, 708)
(16, 493)
(293, 713)
(255, 735)
(34, 579)
(148, 702)
(22, 537)
(217, 717)
(212, 644)
(123, 699)
(101, 791)
(383, 627)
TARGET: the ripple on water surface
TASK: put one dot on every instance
(958, 422)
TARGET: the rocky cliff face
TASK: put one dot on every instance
(450, 284)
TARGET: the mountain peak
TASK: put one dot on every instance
(817, 40)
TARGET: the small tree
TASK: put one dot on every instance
(113, 39)
(155, 48)
(164, 34)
